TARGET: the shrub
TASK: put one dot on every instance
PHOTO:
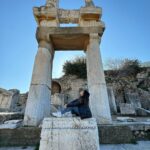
(130, 67)
(76, 67)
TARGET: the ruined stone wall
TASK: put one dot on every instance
(70, 86)
(126, 90)
(134, 90)
(8, 99)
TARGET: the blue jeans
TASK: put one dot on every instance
(74, 110)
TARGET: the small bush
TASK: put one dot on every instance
(130, 67)
(76, 67)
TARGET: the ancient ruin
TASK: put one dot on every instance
(51, 37)
(120, 105)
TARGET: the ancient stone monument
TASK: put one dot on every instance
(69, 134)
(51, 37)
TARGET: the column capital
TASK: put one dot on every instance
(45, 44)
(44, 40)
(95, 36)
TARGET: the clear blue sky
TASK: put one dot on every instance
(127, 35)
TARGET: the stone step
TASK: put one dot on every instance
(109, 134)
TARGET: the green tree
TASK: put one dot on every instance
(76, 67)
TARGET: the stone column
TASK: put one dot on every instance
(96, 82)
(112, 101)
(38, 102)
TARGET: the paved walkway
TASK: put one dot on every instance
(17, 148)
(143, 145)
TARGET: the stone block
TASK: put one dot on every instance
(133, 98)
(142, 112)
(11, 124)
(20, 136)
(57, 99)
(69, 134)
(5, 116)
(127, 109)
(8, 99)
(126, 119)
(112, 101)
(115, 134)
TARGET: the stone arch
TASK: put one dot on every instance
(56, 87)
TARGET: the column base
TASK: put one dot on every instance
(99, 103)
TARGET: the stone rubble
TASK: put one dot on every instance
(11, 124)
(126, 119)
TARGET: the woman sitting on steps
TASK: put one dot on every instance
(79, 107)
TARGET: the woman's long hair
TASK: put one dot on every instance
(85, 98)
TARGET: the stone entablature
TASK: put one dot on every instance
(67, 38)
(67, 16)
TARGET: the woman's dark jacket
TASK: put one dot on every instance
(83, 106)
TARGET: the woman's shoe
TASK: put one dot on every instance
(67, 114)
(57, 114)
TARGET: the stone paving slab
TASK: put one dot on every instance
(17, 148)
(142, 145)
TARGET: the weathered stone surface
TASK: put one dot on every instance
(96, 82)
(109, 134)
(141, 145)
(133, 98)
(4, 116)
(21, 104)
(52, 3)
(89, 3)
(11, 124)
(38, 103)
(115, 134)
(8, 99)
(142, 112)
(20, 136)
(57, 100)
(112, 101)
(51, 13)
(69, 134)
(67, 38)
(144, 145)
(145, 99)
(56, 87)
(18, 148)
(127, 109)
(90, 13)
(126, 119)
(70, 86)
(129, 88)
